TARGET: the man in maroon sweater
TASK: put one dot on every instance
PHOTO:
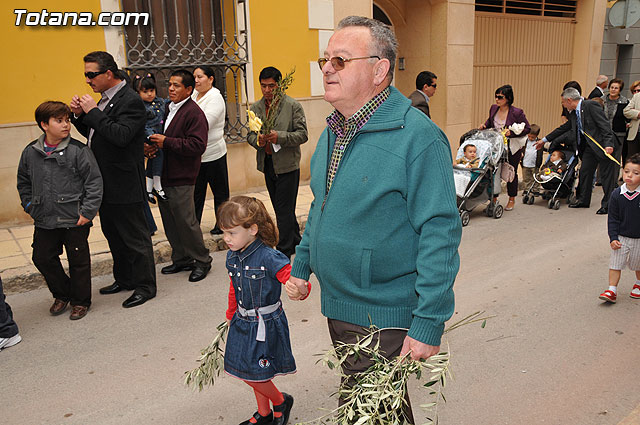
(184, 141)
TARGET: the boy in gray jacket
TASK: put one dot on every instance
(60, 187)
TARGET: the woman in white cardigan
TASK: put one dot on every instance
(632, 112)
(213, 168)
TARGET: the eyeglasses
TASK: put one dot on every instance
(91, 75)
(499, 96)
(338, 62)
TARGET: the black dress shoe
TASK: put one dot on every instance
(160, 194)
(114, 288)
(260, 420)
(199, 273)
(175, 268)
(285, 409)
(135, 300)
(602, 211)
(578, 205)
(151, 198)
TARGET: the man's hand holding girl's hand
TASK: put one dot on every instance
(297, 289)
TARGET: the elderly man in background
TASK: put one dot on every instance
(601, 84)
(383, 230)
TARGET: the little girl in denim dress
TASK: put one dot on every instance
(155, 106)
(258, 346)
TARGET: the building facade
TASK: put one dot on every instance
(472, 46)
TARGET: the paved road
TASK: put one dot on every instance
(553, 355)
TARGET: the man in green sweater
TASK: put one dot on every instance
(383, 230)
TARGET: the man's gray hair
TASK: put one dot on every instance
(383, 41)
(601, 79)
(571, 94)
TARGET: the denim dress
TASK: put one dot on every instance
(253, 275)
(155, 125)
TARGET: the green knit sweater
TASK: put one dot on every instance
(384, 243)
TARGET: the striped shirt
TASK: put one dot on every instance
(345, 129)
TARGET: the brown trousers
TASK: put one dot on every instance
(390, 344)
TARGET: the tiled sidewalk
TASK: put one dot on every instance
(15, 241)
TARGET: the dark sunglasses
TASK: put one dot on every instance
(338, 62)
(91, 75)
(635, 91)
(499, 96)
(434, 85)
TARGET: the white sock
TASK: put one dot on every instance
(613, 289)
(149, 184)
(157, 183)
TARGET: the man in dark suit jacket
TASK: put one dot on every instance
(115, 132)
(184, 141)
(601, 85)
(425, 88)
(587, 119)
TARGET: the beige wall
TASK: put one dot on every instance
(343, 8)
(243, 175)
(588, 35)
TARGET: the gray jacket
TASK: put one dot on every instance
(56, 189)
(291, 127)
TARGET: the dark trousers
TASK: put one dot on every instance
(283, 191)
(8, 327)
(47, 248)
(514, 160)
(182, 228)
(609, 171)
(127, 233)
(391, 341)
(214, 174)
(630, 147)
(148, 215)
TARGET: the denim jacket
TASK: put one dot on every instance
(253, 273)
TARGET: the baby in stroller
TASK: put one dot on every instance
(470, 158)
(554, 168)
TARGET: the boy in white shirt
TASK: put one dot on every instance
(532, 159)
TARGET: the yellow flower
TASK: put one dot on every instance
(255, 123)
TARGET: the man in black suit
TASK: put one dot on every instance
(587, 121)
(425, 89)
(114, 129)
(601, 84)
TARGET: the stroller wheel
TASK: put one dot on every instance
(550, 204)
(489, 210)
(525, 199)
(497, 212)
(464, 218)
(531, 200)
(556, 204)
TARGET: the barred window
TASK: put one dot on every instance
(551, 8)
(189, 33)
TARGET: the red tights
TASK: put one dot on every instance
(266, 391)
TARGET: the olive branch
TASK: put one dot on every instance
(211, 362)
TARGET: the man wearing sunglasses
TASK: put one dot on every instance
(114, 128)
(383, 230)
(425, 89)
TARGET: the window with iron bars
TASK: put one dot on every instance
(183, 34)
(551, 8)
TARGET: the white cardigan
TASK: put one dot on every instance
(212, 104)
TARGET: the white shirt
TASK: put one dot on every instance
(530, 154)
(173, 109)
(213, 106)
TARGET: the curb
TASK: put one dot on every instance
(28, 278)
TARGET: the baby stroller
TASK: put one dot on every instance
(475, 186)
(556, 187)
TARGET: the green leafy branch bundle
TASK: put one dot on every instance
(211, 362)
(279, 92)
(376, 396)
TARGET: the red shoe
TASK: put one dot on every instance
(609, 296)
(635, 292)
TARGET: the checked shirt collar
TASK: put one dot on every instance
(345, 129)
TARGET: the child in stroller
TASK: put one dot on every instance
(553, 169)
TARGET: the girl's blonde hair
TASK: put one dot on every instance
(245, 211)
